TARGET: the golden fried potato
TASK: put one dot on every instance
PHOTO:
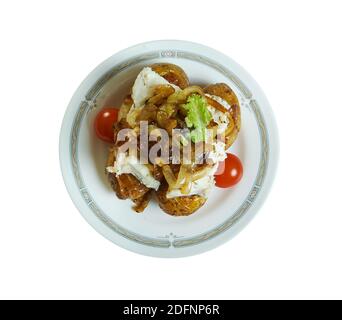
(126, 186)
(223, 91)
(142, 202)
(178, 206)
(172, 73)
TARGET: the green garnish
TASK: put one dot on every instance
(198, 117)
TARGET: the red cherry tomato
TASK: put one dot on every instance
(104, 122)
(229, 172)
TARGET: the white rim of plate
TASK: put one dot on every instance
(84, 99)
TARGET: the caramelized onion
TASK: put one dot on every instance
(182, 95)
(216, 105)
(132, 116)
(169, 176)
(183, 173)
(148, 113)
(200, 173)
(160, 93)
(185, 189)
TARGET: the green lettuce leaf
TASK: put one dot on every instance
(198, 117)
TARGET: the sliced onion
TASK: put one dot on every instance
(169, 176)
(185, 189)
(132, 116)
(183, 173)
(200, 173)
(160, 93)
(182, 95)
(216, 105)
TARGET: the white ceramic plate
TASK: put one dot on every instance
(153, 232)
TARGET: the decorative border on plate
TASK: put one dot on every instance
(82, 111)
(173, 241)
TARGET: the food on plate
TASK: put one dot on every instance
(170, 140)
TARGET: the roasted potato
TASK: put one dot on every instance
(172, 73)
(178, 206)
(126, 186)
(223, 91)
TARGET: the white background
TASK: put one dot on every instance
(292, 249)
